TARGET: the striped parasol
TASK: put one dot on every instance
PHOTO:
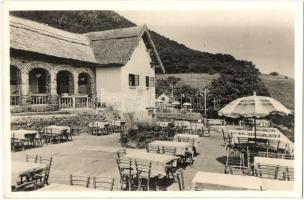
(253, 107)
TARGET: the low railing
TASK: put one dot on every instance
(76, 102)
(39, 99)
(15, 100)
(66, 102)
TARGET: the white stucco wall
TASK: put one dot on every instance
(139, 98)
(108, 86)
(112, 85)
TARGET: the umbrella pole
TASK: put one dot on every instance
(254, 121)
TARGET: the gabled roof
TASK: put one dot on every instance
(104, 47)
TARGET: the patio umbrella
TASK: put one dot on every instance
(186, 104)
(175, 103)
(253, 107)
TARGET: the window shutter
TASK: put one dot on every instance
(147, 81)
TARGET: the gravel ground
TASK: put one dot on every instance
(95, 156)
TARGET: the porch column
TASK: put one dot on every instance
(53, 96)
(76, 86)
(25, 89)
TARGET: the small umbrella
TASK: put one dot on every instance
(186, 104)
(253, 106)
(175, 103)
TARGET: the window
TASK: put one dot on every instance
(133, 80)
(152, 81)
(147, 81)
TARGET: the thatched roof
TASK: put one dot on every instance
(104, 47)
(36, 37)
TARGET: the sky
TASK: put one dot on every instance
(263, 36)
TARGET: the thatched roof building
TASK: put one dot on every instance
(102, 48)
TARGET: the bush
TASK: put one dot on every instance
(274, 73)
(145, 134)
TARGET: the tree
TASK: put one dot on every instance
(237, 80)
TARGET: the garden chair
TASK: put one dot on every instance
(31, 158)
(285, 156)
(242, 143)
(28, 186)
(152, 149)
(289, 174)
(235, 163)
(80, 180)
(267, 154)
(40, 176)
(144, 175)
(126, 172)
(171, 166)
(47, 161)
(225, 138)
(267, 171)
(105, 183)
(179, 176)
(17, 144)
(121, 153)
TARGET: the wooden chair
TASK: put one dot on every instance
(28, 186)
(289, 174)
(242, 143)
(144, 175)
(40, 176)
(171, 166)
(47, 161)
(267, 171)
(103, 182)
(286, 156)
(179, 176)
(17, 144)
(152, 149)
(225, 138)
(126, 172)
(80, 180)
(235, 163)
(31, 158)
(121, 153)
(267, 154)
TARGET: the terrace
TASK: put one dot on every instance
(94, 155)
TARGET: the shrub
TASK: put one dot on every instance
(274, 73)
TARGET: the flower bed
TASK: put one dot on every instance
(138, 138)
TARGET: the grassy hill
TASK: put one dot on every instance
(280, 88)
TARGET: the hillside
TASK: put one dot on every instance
(279, 87)
(177, 58)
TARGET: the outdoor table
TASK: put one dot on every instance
(57, 129)
(258, 133)
(277, 185)
(64, 187)
(163, 124)
(282, 163)
(186, 136)
(99, 124)
(210, 179)
(283, 141)
(23, 134)
(181, 147)
(274, 161)
(158, 161)
(19, 168)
